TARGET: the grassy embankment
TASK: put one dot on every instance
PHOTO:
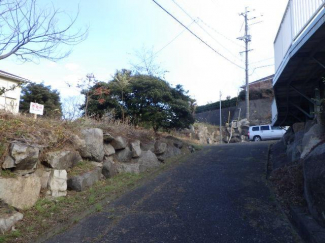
(55, 215)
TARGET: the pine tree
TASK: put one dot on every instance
(145, 100)
(41, 94)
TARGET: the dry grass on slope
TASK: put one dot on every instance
(46, 133)
(117, 128)
(55, 134)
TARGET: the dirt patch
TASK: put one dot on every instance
(288, 183)
(5, 210)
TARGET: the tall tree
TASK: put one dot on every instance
(182, 107)
(120, 84)
(148, 101)
(85, 85)
(96, 99)
(152, 100)
(39, 93)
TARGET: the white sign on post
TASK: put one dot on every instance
(35, 108)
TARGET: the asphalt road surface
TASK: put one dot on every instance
(219, 194)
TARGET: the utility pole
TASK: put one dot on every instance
(246, 38)
(220, 119)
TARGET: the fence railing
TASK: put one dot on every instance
(298, 15)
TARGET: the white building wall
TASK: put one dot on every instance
(10, 100)
(297, 17)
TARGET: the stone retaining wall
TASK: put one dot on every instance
(305, 143)
(25, 173)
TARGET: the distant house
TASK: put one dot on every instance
(9, 101)
(264, 83)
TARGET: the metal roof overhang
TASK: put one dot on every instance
(13, 77)
(300, 72)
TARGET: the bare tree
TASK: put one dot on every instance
(85, 85)
(147, 63)
(30, 32)
(71, 108)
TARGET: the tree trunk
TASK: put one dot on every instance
(122, 107)
(86, 107)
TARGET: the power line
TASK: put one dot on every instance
(261, 67)
(170, 42)
(214, 2)
(183, 10)
(242, 26)
(219, 43)
(207, 25)
(188, 15)
(173, 39)
(262, 60)
(196, 35)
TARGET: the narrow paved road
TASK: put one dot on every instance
(219, 195)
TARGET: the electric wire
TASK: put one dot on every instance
(262, 60)
(219, 43)
(209, 26)
(188, 15)
(260, 67)
(196, 35)
(241, 26)
(170, 42)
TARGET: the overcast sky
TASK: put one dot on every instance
(119, 28)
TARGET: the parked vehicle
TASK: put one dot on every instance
(265, 132)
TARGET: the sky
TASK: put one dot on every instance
(120, 28)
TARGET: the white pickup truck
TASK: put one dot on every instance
(265, 132)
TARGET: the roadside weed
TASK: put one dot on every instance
(99, 207)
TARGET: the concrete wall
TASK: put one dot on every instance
(260, 113)
(10, 100)
(261, 85)
(213, 117)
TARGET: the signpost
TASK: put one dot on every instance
(36, 109)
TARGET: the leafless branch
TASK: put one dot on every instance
(30, 32)
(3, 90)
(147, 63)
(70, 108)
